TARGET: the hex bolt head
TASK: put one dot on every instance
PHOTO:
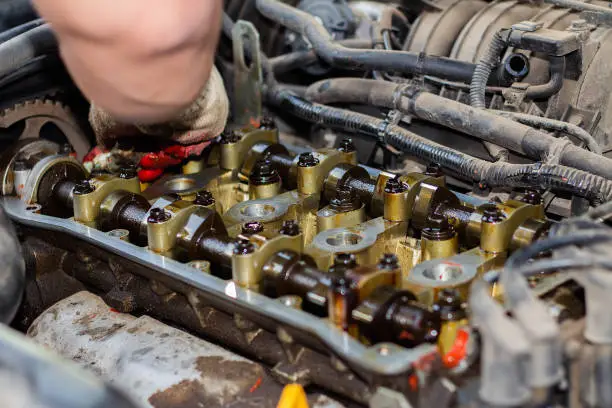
(204, 198)
(83, 187)
(437, 228)
(434, 170)
(264, 173)
(307, 160)
(158, 215)
(345, 200)
(388, 261)
(244, 247)
(491, 214)
(395, 186)
(532, 197)
(348, 260)
(340, 285)
(347, 145)
(290, 228)
(127, 172)
(342, 263)
(229, 136)
(267, 123)
(449, 305)
(251, 228)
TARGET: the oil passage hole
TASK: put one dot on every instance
(180, 184)
(119, 233)
(444, 272)
(257, 210)
(344, 239)
(203, 266)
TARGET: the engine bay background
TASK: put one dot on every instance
(408, 207)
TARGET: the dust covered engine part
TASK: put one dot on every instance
(157, 364)
(408, 207)
(373, 252)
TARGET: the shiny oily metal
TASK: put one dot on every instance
(227, 294)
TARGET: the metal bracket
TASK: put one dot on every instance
(530, 35)
(248, 77)
(515, 96)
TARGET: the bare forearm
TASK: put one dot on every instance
(141, 61)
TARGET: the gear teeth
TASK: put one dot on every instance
(38, 107)
(52, 111)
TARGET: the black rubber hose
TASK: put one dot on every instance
(15, 12)
(462, 86)
(554, 177)
(514, 136)
(589, 237)
(362, 60)
(31, 67)
(299, 59)
(478, 87)
(580, 6)
(548, 266)
(556, 126)
(20, 29)
(12, 271)
(17, 51)
(482, 72)
(603, 212)
(479, 123)
(554, 84)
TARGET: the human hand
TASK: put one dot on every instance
(204, 120)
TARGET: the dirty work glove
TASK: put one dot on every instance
(205, 119)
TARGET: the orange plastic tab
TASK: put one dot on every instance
(459, 350)
(293, 396)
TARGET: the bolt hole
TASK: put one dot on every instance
(344, 239)
(257, 210)
(444, 272)
(119, 233)
(180, 184)
(203, 266)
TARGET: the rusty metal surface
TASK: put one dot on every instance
(33, 377)
(161, 366)
(53, 272)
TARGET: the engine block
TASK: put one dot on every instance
(409, 207)
(306, 252)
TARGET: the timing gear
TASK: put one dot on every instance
(39, 112)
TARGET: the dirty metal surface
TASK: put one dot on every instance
(160, 366)
(33, 377)
(230, 297)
